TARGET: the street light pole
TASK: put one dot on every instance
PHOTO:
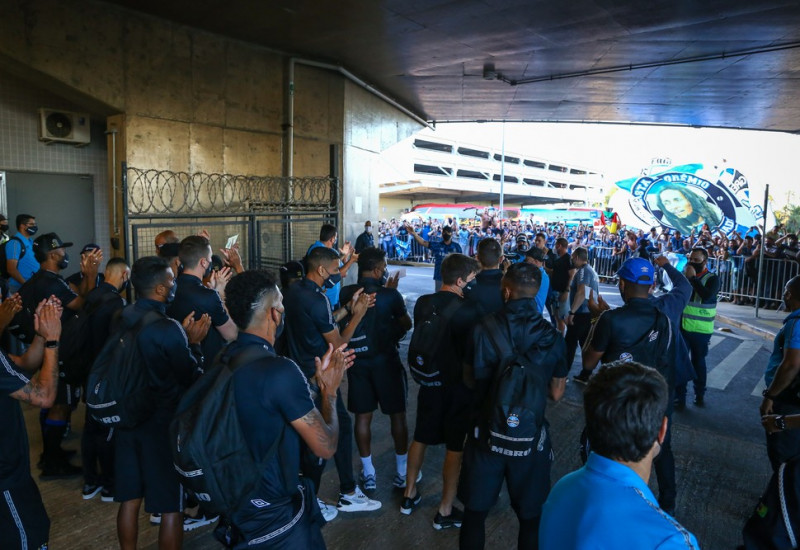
(502, 169)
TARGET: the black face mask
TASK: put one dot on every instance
(32, 230)
(446, 237)
(64, 262)
(125, 285)
(171, 296)
(4, 227)
(332, 280)
(385, 277)
(279, 328)
(698, 267)
(207, 272)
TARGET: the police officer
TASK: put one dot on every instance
(378, 376)
(311, 327)
(697, 324)
(365, 240)
(484, 291)
(50, 252)
(193, 296)
(483, 472)
(171, 354)
(273, 398)
(103, 304)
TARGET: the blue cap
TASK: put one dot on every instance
(637, 270)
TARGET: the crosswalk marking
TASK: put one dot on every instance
(760, 387)
(723, 373)
(714, 341)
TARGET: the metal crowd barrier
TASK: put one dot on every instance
(738, 278)
(605, 264)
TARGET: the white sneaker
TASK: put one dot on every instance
(357, 502)
(328, 512)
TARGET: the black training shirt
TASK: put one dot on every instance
(14, 452)
(485, 291)
(560, 277)
(103, 315)
(379, 330)
(192, 295)
(44, 284)
(308, 317)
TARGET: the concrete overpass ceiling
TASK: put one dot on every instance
(433, 56)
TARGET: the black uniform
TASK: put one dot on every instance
(143, 460)
(443, 411)
(377, 375)
(484, 291)
(365, 240)
(482, 471)
(190, 296)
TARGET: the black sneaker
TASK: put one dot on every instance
(409, 503)
(107, 495)
(582, 377)
(90, 491)
(699, 401)
(445, 522)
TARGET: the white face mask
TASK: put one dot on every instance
(369, 229)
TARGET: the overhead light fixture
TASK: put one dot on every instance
(488, 72)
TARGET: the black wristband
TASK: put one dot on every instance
(766, 394)
(780, 422)
(51, 344)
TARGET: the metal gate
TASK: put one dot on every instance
(276, 218)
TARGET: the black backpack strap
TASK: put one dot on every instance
(22, 247)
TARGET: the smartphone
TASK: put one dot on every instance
(232, 240)
(401, 272)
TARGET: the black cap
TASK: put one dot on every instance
(290, 271)
(169, 250)
(90, 247)
(49, 241)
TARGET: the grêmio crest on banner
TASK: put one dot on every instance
(689, 196)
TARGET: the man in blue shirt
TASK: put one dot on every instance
(21, 264)
(781, 375)
(536, 257)
(333, 285)
(625, 405)
(440, 249)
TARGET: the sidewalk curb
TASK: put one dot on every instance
(758, 331)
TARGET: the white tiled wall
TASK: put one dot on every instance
(21, 150)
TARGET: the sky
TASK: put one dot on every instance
(621, 151)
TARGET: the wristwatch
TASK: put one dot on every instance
(780, 422)
(51, 344)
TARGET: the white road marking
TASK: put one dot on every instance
(720, 376)
(760, 387)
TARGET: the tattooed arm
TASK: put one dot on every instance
(320, 429)
(41, 389)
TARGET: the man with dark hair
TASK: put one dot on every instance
(193, 296)
(443, 410)
(333, 284)
(310, 328)
(97, 446)
(378, 376)
(273, 401)
(537, 258)
(697, 324)
(76, 279)
(50, 252)
(782, 373)
(579, 318)
(561, 274)
(23, 518)
(440, 249)
(365, 240)
(20, 261)
(527, 477)
(484, 292)
(624, 405)
(171, 354)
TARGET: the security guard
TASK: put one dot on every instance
(697, 324)
(483, 471)
(378, 376)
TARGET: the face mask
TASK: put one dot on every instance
(332, 280)
(369, 229)
(207, 272)
(279, 328)
(171, 295)
(125, 285)
(4, 228)
(64, 262)
(385, 277)
(446, 237)
(32, 230)
(698, 267)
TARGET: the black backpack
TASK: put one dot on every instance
(513, 415)
(775, 523)
(424, 346)
(75, 347)
(652, 349)
(118, 390)
(209, 450)
(4, 257)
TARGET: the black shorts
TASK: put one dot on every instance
(527, 479)
(23, 517)
(143, 467)
(67, 394)
(378, 380)
(443, 416)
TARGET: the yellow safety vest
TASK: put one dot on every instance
(699, 317)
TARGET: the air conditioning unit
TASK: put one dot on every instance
(64, 126)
